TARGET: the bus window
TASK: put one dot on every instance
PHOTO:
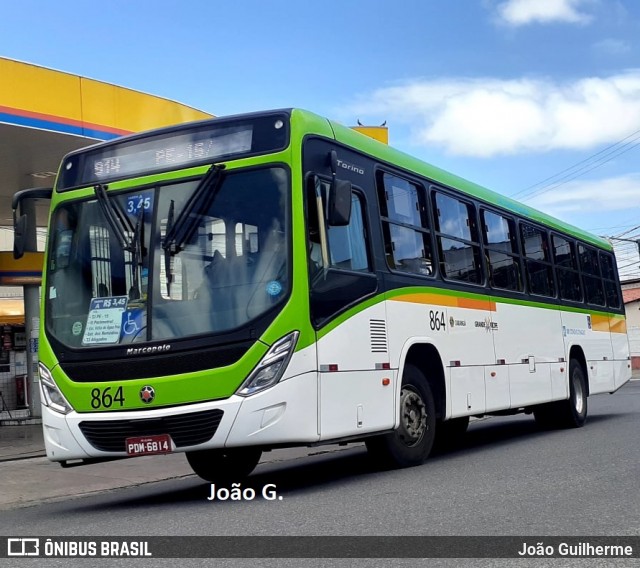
(347, 248)
(607, 268)
(537, 262)
(405, 226)
(590, 268)
(458, 240)
(348, 277)
(501, 249)
(564, 256)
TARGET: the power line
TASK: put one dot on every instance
(606, 155)
(576, 174)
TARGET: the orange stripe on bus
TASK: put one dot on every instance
(450, 301)
(434, 299)
(599, 323)
(618, 325)
(477, 304)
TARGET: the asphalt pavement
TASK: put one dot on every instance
(29, 478)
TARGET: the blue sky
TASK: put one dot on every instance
(536, 99)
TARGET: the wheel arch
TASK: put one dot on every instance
(426, 358)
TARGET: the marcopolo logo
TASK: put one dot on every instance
(149, 349)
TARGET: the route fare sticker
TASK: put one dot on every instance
(104, 321)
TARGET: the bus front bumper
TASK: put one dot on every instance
(283, 414)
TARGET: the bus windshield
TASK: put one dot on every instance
(112, 284)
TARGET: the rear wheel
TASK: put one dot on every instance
(411, 442)
(224, 465)
(570, 413)
(574, 410)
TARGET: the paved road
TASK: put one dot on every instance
(508, 478)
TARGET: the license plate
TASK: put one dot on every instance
(149, 445)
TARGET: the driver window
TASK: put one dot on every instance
(346, 245)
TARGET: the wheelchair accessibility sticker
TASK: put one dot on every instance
(132, 322)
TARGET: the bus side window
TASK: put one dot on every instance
(349, 276)
(609, 279)
(537, 261)
(501, 251)
(347, 245)
(564, 256)
(590, 268)
(405, 225)
(458, 240)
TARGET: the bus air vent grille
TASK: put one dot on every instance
(378, 331)
(185, 429)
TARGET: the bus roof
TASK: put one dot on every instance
(390, 155)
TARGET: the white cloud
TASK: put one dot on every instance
(612, 194)
(524, 12)
(487, 117)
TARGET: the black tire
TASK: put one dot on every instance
(451, 432)
(411, 442)
(546, 415)
(574, 410)
(224, 465)
(570, 413)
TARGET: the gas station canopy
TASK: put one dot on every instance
(45, 113)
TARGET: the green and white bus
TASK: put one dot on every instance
(267, 280)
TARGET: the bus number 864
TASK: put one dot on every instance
(436, 320)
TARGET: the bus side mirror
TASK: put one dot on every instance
(339, 202)
(339, 206)
(20, 224)
(19, 236)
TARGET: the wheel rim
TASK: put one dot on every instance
(578, 395)
(413, 416)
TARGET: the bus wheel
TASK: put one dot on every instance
(411, 442)
(571, 413)
(450, 432)
(574, 410)
(224, 465)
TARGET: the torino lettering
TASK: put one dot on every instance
(350, 167)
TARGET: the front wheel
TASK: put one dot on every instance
(450, 432)
(224, 465)
(411, 442)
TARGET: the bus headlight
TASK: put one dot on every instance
(51, 395)
(271, 367)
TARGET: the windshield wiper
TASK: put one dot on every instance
(137, 254)
(115, 216)
(179, 232)
(167, 252)
(122, 227)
